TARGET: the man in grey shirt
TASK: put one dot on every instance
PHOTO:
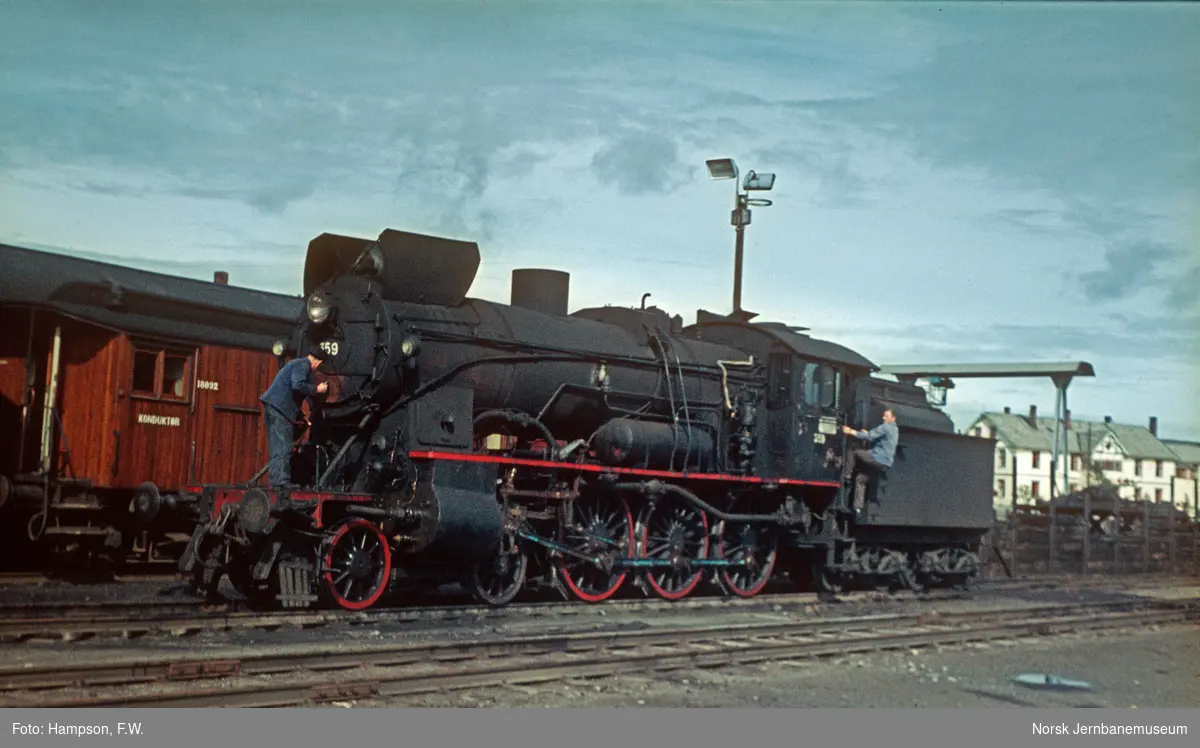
(882, 452)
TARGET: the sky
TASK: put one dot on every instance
(956, 182)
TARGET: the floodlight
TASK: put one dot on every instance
(721, 168)
(756, 181)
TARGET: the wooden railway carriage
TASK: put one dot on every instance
(637, 451)
(117, 387)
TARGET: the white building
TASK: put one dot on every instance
(1131, 457)
(1186, 484)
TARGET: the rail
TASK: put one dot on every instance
(323, 674)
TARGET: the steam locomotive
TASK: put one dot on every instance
(515, 446)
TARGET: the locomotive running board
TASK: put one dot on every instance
(588, 468)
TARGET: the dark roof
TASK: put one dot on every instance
(804, 346)
(1188, 452)
(1014, 431)
(141, 302)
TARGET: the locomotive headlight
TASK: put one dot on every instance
(279, 348)
(319, 308)
(408, 347)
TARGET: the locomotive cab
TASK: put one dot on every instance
(807, 400)
(802, 424)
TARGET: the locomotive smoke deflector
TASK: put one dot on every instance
(404, 266)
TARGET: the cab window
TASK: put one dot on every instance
(822, 385)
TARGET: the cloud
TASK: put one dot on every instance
(938, 163)
(1061, 105)
(1127, 270)
(1117, 340)
(427, 111)
(1091, 113)
(641, 162)
(1034, 220)
(1185, 292)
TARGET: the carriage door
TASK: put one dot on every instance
(155, 443)
(821, 385)
(230, 439)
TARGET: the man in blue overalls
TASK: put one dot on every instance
(879, 457)
(281, 405)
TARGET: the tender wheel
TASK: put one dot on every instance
(497, 580)
(357, 565)
(910, 580)
(754, 545)
(675, 531)
(601, 526)
(964, 565)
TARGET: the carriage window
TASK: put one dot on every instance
(175, 371)
(161, 374)
(145, 372)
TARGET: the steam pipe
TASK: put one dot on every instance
(656, 486)
(337, 459)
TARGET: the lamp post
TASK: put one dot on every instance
(726, 168)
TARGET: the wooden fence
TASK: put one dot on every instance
(1060, 540)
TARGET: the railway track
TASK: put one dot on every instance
(324, 674)
(84, 621)
(185, 620)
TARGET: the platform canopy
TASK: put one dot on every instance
(942, 376)
(1054, 370)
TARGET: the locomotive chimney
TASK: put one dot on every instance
(1007, 410)
(539, 290)
(221, 278)
(1033, 416)
(1154, 426)
(1108, 419)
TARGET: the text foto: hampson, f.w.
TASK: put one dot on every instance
(59, 729)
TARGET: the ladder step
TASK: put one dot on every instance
(76, 506)
(78, 531)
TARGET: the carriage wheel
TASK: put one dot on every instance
(602, 525)
(357, 564)
(497, 580)
(755, 545)
(676, 531)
